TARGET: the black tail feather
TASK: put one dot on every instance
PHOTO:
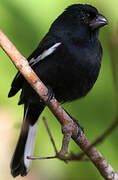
(27, 136)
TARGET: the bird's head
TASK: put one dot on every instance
(86, 15)
(79, 21)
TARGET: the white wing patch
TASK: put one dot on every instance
(44, 54)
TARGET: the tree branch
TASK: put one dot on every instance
(22, 65)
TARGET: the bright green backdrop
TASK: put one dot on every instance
(25, 22)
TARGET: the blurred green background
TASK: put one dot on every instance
(25, 22)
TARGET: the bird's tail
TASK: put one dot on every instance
(19, 163)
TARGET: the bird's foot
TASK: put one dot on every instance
(80, 129)
(50, 95)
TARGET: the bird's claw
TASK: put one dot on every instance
(80, 129)
(50, 95)
(80, 132)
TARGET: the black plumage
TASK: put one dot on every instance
(70, 68)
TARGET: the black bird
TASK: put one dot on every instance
(67, 60)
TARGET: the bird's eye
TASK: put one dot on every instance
(83, 18)
(88, 15)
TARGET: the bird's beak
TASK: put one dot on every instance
(98, 22)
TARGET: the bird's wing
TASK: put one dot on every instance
(46, 47)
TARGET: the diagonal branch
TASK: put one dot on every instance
(22, 65)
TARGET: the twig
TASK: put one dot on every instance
(113, 126)
(66, 139)
(40, 158)
(97, 141)
(63, 158)
(22, 65)
(50, 135)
